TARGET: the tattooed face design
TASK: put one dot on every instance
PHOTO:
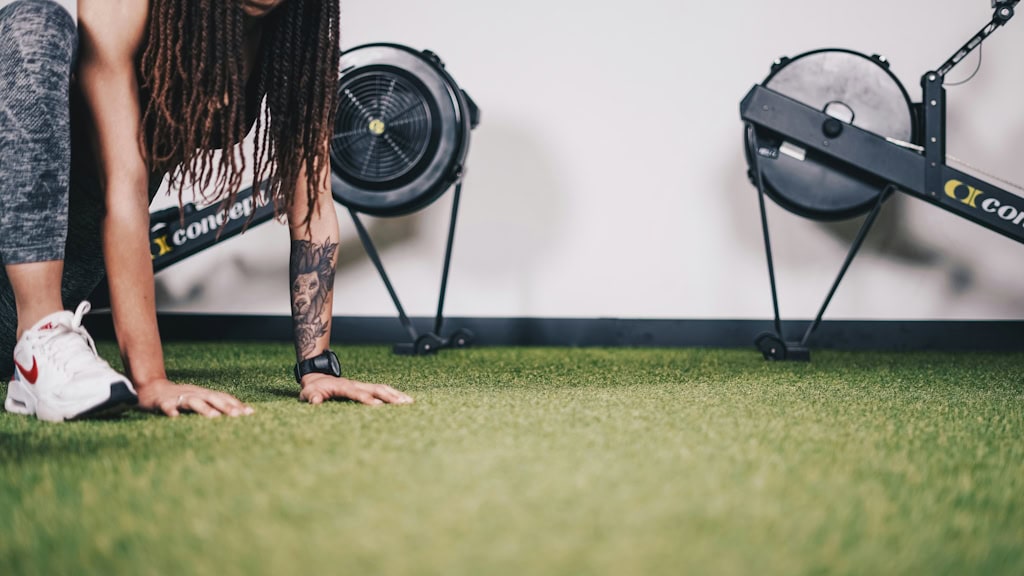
(312, 272)
(305, 293)
(312, 275)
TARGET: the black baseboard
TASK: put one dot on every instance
(832, 334)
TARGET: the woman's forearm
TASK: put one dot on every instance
(311, 272)
(130, 276)
(111, 33)
(314, 256)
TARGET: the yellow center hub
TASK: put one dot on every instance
(377, 127)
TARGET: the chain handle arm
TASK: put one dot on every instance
(1004, 11)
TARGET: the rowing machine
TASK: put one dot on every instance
(831, 134)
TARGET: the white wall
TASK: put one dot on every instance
(607, 178)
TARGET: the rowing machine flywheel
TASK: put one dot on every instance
(402, 130)
(853, 89)
(400, 141)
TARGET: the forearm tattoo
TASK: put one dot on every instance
(312, 276)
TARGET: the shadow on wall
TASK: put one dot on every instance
(387, 233)
(512, 217)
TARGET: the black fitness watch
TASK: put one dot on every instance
(324, 363)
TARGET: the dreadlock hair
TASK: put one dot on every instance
(193, 71)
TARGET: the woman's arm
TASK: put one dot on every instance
(111, 35)
(313, 258)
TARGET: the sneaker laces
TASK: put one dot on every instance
(70, 346)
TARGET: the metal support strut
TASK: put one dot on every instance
(429, 342)
(773, 345)
(854, 248)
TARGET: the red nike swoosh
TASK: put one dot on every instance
(30, 375)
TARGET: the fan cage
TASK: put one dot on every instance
(386, 131)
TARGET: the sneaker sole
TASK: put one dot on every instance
(20, 400)
(121, 399)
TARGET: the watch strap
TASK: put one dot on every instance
(323, 363)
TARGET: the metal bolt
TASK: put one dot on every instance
(765, 107)
(932, 77)
(934, 103)
(934, 139)
(825, 143)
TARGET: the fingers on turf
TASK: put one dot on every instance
(201, 407)
(389, 394)
(364, 396)
(313, 396)
(170, 409)
(369, 394)
(403, 398)
(227, 404)
(369, 399)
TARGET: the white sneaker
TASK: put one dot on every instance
(59, 376)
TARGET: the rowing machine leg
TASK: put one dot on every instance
(427, 343)
(774, 348)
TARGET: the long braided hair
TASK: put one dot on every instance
(193, 70)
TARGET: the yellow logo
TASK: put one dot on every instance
(377, 126)
(969, 195)
(162, 246)
(957, 190)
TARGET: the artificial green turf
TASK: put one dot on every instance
(539, 461)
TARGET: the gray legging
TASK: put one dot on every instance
(51, 205)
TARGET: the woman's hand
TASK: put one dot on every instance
(316, 388)
(173, 399)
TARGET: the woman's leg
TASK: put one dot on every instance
(59, 375)
(38, 39)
